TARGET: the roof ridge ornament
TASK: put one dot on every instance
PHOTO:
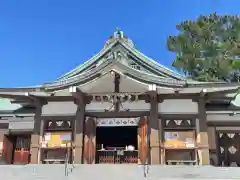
(118, 34)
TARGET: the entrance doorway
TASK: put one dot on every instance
(229, 148)
(16, 148)
(117, 144)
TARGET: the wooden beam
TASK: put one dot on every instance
(35, 100)
(118, 114)
(77, 93)
(31, 97)
(203, 92)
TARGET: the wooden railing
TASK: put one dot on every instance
(54, 155)
(181, 162)
(117, 156)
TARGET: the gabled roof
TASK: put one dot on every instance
(120, 51)
(119, 39)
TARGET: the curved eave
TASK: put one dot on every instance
(23, 95)
(153, 63)
(108, 65)
(23, 89)
(148, 78)
(199, 83)
(211, 91)
(12, 101)
(78, 79)
(148, 61)
(89, 62)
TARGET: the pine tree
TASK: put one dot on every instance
(208, 49)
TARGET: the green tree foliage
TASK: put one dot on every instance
(208, 49)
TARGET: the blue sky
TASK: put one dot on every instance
(42, 39)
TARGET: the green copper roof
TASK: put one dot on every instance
(125, 42)
(6, 105)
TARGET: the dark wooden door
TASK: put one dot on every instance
(7, 150)
(229, 147)
(22, 150)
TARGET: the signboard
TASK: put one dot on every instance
(112, 122)
(57, 139)
(179, 139)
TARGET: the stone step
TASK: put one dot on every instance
(193, 172)
(116, 172)
(155, 172)
(107, 172)
(29, 172)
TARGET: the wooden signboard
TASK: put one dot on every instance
(179, 139)
(57, 139)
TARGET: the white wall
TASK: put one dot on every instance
(178, 106)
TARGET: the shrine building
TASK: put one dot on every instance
(121, 106)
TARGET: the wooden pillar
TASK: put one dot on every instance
(143, 140)
(36, 136)
(155, 131)
(7, 150)
(78, 134)
(202, 134)
(6, 147)
(218, 151)
(2, 135)
(89, 140)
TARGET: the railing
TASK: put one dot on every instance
(145, 170)
(68, 162)
(117, 156)
(181, 162)
(146, 163)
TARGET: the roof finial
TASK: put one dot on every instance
(118, 33)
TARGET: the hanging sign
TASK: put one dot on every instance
(117, 122)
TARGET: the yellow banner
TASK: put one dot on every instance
(57, 139)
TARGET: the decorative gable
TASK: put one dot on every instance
(120, 51)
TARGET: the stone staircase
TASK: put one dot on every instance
(32, 172)
(107, 172)
(193, 172)
(116, 172)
